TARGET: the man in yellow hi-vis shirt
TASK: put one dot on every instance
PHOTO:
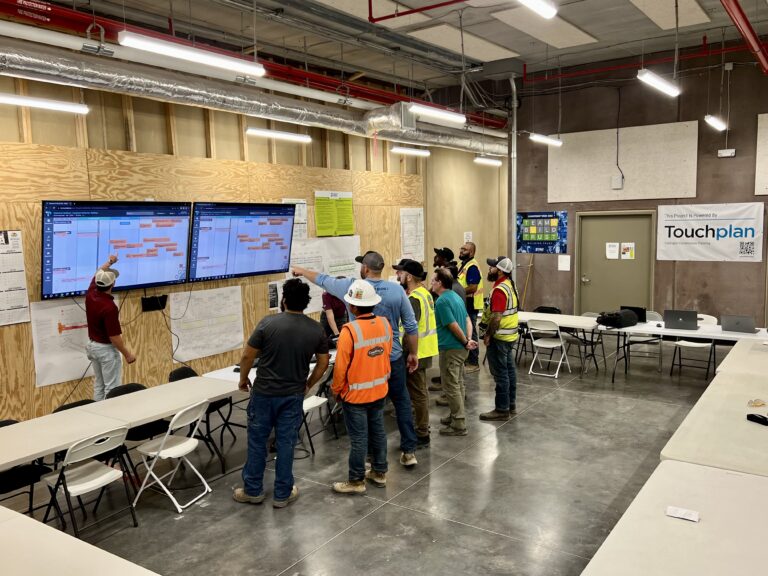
(471, 279)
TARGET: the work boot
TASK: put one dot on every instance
(422, 441)
(471, 368)
(442, 400)
(494, 415)
(378, 478)
(437, 384)
(356, 487)
(451, 431)
(446, 420)
(239, 495)
(292, 497)
(408, 459)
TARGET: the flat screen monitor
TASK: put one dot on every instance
(150, 240)
(233, 240)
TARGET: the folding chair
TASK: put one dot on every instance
(14, 480)
(638, 340)
(677, 355)
(173, 447)
(545, 335)
(89, 476)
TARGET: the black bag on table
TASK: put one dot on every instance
(617, 319)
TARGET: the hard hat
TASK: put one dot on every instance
(362, 293)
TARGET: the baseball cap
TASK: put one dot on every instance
(105, 278)
(372, 259)
(502, 263)
(362, 293)
(445, 252)
(413, 268)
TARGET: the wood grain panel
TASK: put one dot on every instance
(33, 172)
(271, 182)
(379, 188)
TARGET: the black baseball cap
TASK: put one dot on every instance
(372, 259)
(446, 253)
(413, 268)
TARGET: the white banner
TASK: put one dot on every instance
(711, 232)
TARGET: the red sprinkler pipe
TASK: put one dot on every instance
(373, 19)
(741, 22)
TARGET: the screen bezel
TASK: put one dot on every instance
(135, 203)
(250, 205)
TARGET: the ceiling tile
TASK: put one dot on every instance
(662, 12)
(448, 37)
(359, 9)
(555, 32)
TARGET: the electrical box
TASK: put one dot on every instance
(726, 153)
(617, 182)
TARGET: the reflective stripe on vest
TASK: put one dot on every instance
(368, 372)
(477, 297)
(507, 331)
(428, 345)
(511, 309)
(362, 343)
(371, 384)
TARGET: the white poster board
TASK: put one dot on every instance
(412, 233)
(761, 156)
(14, 300)
(206, 322)
(711, 232)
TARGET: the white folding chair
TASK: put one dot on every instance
(173, 447)
(545, 335)
(89, 475)
(677, 355)
(639, 340)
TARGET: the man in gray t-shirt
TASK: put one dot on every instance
(284, 345)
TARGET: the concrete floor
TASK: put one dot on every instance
(535, 495)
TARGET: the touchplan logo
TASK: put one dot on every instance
(707, 231)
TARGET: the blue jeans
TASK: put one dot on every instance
(107, 368)
(501, 361)
(284, 414)
(474, 355)
(398, 394)
(365, 426)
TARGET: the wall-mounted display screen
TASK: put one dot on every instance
(232, 240)
(150, 240)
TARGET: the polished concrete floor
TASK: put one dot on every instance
(536, 495)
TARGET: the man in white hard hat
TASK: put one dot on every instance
(360, 379)
(104, 331)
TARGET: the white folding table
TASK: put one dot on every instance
(748, 356)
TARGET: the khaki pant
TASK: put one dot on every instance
(417, 390)
(452, 375)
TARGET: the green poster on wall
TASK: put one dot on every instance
(334, 214)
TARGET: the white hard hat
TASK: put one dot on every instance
(362, 293)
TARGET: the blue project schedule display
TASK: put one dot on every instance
(233, 240)
(150, 240)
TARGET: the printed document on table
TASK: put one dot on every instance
(14, 299)
(412, 233)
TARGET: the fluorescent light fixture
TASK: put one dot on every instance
(44, 103)
(437, 113)
(715, 122)
(410, 151)
(485, 161)
(656, 81)
(543, 8)
(278, 135)
(189, 54)
(549, 141)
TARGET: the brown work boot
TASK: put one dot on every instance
(494, 415)
(357, 487)
(442, 400)
(378, 478)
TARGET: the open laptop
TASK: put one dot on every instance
(639, 310)
(744, 324)
(681, 319)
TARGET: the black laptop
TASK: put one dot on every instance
(639, 310)
(681, 319)
(745, 324)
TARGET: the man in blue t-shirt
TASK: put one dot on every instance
(396, 307)
(470, 277)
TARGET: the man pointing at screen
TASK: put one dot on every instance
(104, 331)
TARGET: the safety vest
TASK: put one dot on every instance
(477, 301)
(368, 372)
(507, 331)
(427, 323)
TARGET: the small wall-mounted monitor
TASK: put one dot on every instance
(150, 240)
(232, 240)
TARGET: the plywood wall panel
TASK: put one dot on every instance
(376, 189)
(271, 182)
(32, 172)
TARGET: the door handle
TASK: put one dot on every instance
(585, 280)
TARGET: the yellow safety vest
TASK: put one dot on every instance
(427, 323)
(478, 295)
(507, 331)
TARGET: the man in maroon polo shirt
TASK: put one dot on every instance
(106, 340)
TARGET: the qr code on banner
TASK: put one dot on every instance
(746, 248)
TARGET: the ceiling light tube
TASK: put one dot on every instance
(485, 161)
(656, 81)
(44, 103)
(543, 8)
(715, 122)
(410, 151)
(437, 113)
(189, 54)
(548, 140)
(278, 135)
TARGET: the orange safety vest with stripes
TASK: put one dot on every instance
(362, 365)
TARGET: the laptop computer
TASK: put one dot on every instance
(681, 319)
(744, 324)
(639, 310)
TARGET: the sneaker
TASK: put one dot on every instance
(239, 495)
(471, 368)
(291, 498)
(442, 401)
(378, 478)
(357, 487)
(408, 459)
(446, 420)
(494, 415)
(451, 431)
(422, 441)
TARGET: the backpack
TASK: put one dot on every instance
(617, 319)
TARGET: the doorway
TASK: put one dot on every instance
(615, 257)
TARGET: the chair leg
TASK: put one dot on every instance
(31, 499)
(309, 436)
(82, 507)
(127, 490)
(71, 510)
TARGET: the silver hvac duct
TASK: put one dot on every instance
(49, 64)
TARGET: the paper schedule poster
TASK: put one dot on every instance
(334, 214)
(14, 300)
(300, 219)
(412, 233)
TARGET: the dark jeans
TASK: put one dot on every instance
(398, 394)
(284, 414)
(501, 361)
(365, 426)
(474, 355)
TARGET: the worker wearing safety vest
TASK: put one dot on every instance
(360, 382)
(471, 279)
(411, 274)
(499, 327)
